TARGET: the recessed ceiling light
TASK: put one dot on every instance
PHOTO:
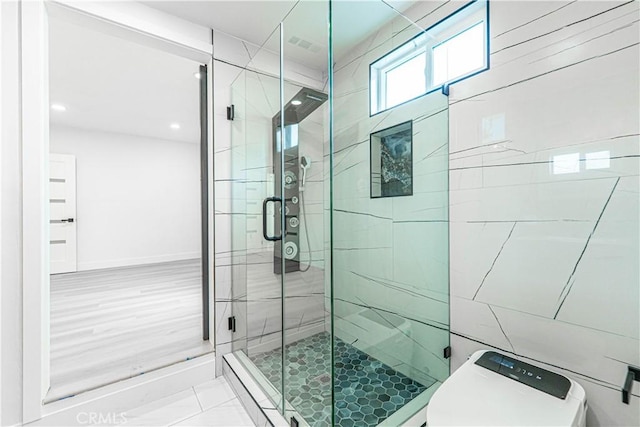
(296, 102)
(58, 107)
(175, 126)
(197, 75)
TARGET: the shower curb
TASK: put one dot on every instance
(254, 400)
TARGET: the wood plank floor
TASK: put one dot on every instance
(113, 324)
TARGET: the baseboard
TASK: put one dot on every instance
(111, 401)
(128, 262)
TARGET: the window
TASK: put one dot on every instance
(447, 52)
(460, 55)
(402, 83)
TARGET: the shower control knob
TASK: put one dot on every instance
(294, 200)
(294, 222)
(288, 179)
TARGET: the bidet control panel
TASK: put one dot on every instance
(533, 376)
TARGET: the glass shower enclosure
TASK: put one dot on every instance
(339, 223)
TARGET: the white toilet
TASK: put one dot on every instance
(492, 389)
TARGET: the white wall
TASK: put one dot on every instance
(10, 220)
(138, 199)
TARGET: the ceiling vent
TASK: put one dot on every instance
(304, 44)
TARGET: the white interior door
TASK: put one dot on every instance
(62, 219)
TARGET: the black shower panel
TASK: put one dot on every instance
(295, 111)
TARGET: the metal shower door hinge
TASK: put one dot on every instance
(230, 112)
(232, 323)
(633, 374)
(447, 352)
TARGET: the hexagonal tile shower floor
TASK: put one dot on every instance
(367, 390)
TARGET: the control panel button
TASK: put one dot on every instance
(530, 375)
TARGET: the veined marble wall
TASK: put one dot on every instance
(390, 261)
(544, 158)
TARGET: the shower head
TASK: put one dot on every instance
(305, 163)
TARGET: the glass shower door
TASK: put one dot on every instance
(277, 228)
(256, 220)
(279, 235)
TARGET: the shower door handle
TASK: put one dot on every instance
(265, 202)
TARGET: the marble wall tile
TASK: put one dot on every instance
(421, 260)
(232, 49)
(544, 257)
(471, 262)
(615, 239)
(568, 201)
(535, 263)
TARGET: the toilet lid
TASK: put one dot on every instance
(475, 396)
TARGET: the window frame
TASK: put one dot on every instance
(423, 43)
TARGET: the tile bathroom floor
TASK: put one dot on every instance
(367, 390)
(212, 403)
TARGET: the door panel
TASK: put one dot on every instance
(62, 213)
(255, 201)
